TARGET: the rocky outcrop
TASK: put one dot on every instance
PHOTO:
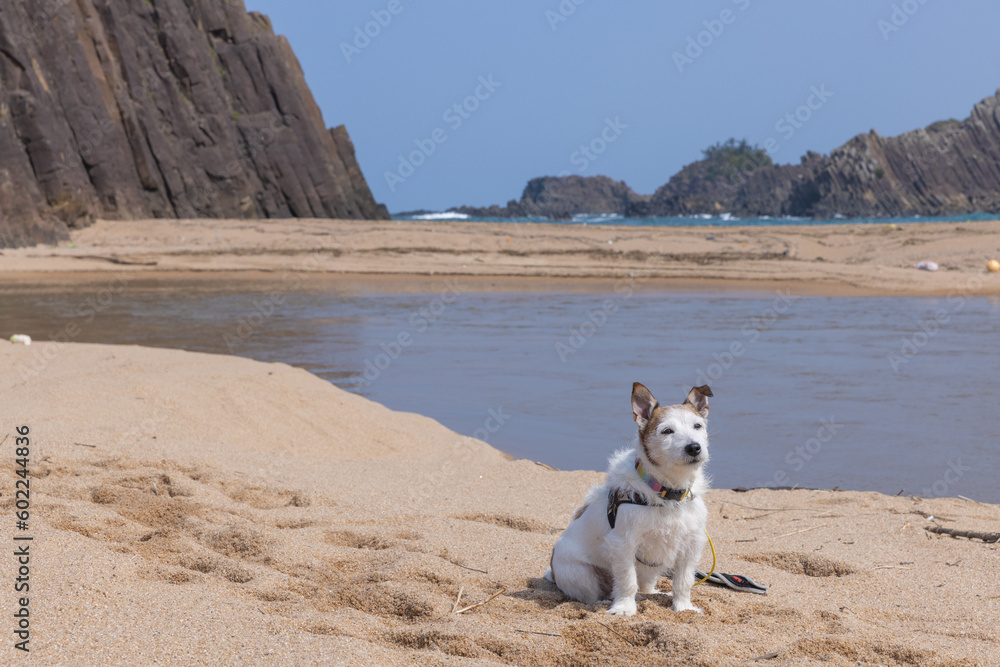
(560, 198)
(950, 168)
(160, 108)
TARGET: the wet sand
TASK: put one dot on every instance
(854, 259)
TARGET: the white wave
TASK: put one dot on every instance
(725, 217)
(596, 217)
(444, 215)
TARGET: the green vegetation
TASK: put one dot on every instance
(736, 153)
(726, 159)
(879, 172)
(237, 115)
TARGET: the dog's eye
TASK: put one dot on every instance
(697, 425)
(667, 431)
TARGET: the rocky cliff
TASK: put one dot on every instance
(950, 168)
(160, 108)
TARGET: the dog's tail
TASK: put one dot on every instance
(548, 575)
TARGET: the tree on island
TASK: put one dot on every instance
(728, 158)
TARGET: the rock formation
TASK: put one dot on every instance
(950, 168)
(160, 108)
(560, 198)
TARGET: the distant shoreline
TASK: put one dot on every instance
(700, 220)
(854, 259)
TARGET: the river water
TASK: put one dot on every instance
(862, 393)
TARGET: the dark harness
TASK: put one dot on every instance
(619, 497)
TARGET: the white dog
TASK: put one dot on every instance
(648, 516)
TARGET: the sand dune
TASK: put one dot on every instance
(195, 509)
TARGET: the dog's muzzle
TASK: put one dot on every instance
(694, 451)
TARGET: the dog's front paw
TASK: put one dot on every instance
(684, 606)
(651, 590)
(624, 607)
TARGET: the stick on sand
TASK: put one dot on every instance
(466, 567)
(534, 632)
(614, 631)
(972, 535)
(804, 530)
(480, 604)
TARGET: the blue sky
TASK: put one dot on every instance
(561, 76)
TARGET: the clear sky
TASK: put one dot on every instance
(624, 79)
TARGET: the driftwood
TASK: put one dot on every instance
(972, 535)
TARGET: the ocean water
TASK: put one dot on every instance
(885, 394)
(722, 220)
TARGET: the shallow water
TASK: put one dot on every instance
(883, 394)
(704, 220)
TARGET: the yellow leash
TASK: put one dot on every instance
(710, 572)
(713, 559)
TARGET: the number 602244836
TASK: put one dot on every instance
(22, 450)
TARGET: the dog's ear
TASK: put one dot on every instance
(643, 405)
(698, 399)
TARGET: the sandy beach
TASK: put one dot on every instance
(248, 418)
(848, 259)
(198, 509)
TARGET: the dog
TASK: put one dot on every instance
(648, 516)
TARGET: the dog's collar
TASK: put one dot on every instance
(660, 490)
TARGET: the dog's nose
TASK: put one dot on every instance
(694, 449)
